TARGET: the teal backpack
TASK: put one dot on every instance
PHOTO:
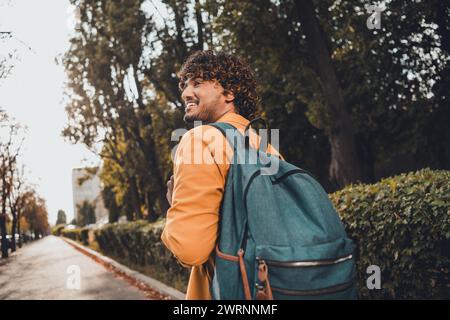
(279, 234)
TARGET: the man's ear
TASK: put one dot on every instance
(229, 96)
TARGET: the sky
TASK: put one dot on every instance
(33, 95)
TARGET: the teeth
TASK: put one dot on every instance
(191, 104)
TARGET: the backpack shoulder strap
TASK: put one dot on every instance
(223, 127)
(235, 139)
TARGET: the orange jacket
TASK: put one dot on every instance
(200, 170)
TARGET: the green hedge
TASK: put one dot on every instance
(84, 235)
(78, 234)
(138, 244)
(56, 230)
(73, 234)
(402, 225)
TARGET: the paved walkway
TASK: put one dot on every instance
(48, 268)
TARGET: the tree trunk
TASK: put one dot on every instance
(368, 159)
(200, 25)
(151, 215)
(346, 165)
(180, 46)
(132, 183)
(19, 232)
(135, 199)
(13, 234)
(4, 241)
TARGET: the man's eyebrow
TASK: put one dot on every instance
(182, 84)
(194, 79)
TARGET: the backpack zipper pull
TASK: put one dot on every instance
(264, 291)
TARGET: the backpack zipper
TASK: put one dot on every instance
(305, 264)
(264, 289)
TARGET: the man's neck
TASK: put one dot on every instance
(224, 113)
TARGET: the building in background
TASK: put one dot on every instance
(86, 187)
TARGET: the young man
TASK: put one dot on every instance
(216, 87)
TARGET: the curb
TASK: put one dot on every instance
(154, 284)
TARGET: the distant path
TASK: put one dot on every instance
(39, 270)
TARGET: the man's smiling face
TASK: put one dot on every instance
(204, 100)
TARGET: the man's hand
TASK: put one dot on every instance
(169, 190)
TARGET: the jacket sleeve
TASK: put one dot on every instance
(191, 226)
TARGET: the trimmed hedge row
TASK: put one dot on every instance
(139, 242)
(402, 225)
(56, 230)
(73, 234)
(78, 234)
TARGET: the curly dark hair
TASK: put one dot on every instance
(231, 71)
